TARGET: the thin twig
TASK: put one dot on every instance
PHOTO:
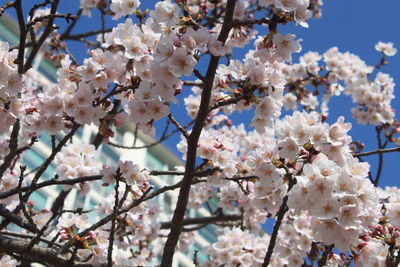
(114, 217)
(380, 156)
(377, 151)
(159, 141)
(280, 215)
(205, 220)
(51, 182)
(178, 126)
(71, 25)
(13, 147)
(6, 6)
(49, 28)
(78, 37)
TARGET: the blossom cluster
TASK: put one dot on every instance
(77, 160)
(345, 73)
(131, 174)
(236, 247)
(142, 225)
(330, 184)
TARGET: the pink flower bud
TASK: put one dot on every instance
(30, 110)
(92, 235)
(361, 245)
(176, 41)
(396, 234)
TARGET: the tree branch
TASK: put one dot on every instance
(13, 146)
(204, 220)
(21, 222)
(178, 126)
(280, 215)
(37, 253)
(177, 219)
(377, 151)
(49, 28)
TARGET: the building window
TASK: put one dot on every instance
(153, 163)
(33, 159)
(108, 155)
(39, 200)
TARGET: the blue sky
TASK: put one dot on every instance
(356, 26)
(351, 25)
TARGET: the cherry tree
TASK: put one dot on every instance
(287, 165)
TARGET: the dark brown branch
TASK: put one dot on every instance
(225, 102)
(205, 220)
(13, 146)
(78, 37)
(243, 178)
(72, 25)
(53, 154)
(146, 196)
(6, 6)
(377, 151)
(280, 215)
(198, 74)
(325, 254)
(22, 200)
(37, 253)
(49, 28)
(380, 156)
(178, 126)
(84, 179)
(51, 182)
(21, 222)
(37, 6)
(114, 217)
(250, 22)
(67, 17)
(159, 141)
(26, 236)
(22, 36)
(179, 213)
(192, 83)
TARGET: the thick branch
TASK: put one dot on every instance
(205, 220)
(21, 222)
(6, 6)
(22, 36)
(179, 213)
(37, 253)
